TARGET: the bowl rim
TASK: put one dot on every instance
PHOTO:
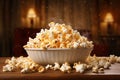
(48, 49)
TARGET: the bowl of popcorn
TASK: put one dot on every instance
(60, 43)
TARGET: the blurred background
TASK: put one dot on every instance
(99, 20)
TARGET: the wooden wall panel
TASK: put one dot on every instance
(1, 21)
(93, 20)
(68, 12)
(72, 12)
(1, 26)
(81, 14)
(55, 11)
(77, 14)
(115, 4)
(43, 13)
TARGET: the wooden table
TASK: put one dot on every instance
(111, 74)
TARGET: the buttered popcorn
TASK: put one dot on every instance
(58, 36)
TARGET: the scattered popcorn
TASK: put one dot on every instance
(107, 65)
(8, 68)
(93, 61)
(27, 65)
(41, 69)
(101, 62)
(89, 67)
(24, 63)
(58, 36)
(101, 70)
(112, 59)
(49, 67)
(56, 66)
(26, 70)
(66, 67)
(118, 60)
(12, 61)
(80, 67)
(95, 69)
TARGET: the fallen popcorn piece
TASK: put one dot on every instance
(49, 67)
(101, 70)
(107, 65)
(80, 67)
(11, 61)
(118, 60)
(56, 66)
(26, 70)
(8, 68)
(112, 59)
(41, 69)
(95, 69)
(66, 67)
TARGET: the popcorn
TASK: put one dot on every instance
(107, 65)
(118, 60)
(64, 30)
(95, 69)
(49, 67)
(98, 63)
(12, 61)
(83, 44)
(62, 45)
(101, 70)
(75, 45)
(80, 67)
(24, 63)
(92, 60)
(27, 65)
(112, 59)
(8, 68)
(89, 67)
(56, 66)
(68, 36)
(41, 69)
(101, 62)
(58, 36)
(26, 70)
(66, 67)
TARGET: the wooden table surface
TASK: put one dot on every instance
(111, 74)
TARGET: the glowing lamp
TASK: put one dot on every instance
(31, 15)
(109, 18)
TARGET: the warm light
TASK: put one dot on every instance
(31, 13)
(109, 18)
